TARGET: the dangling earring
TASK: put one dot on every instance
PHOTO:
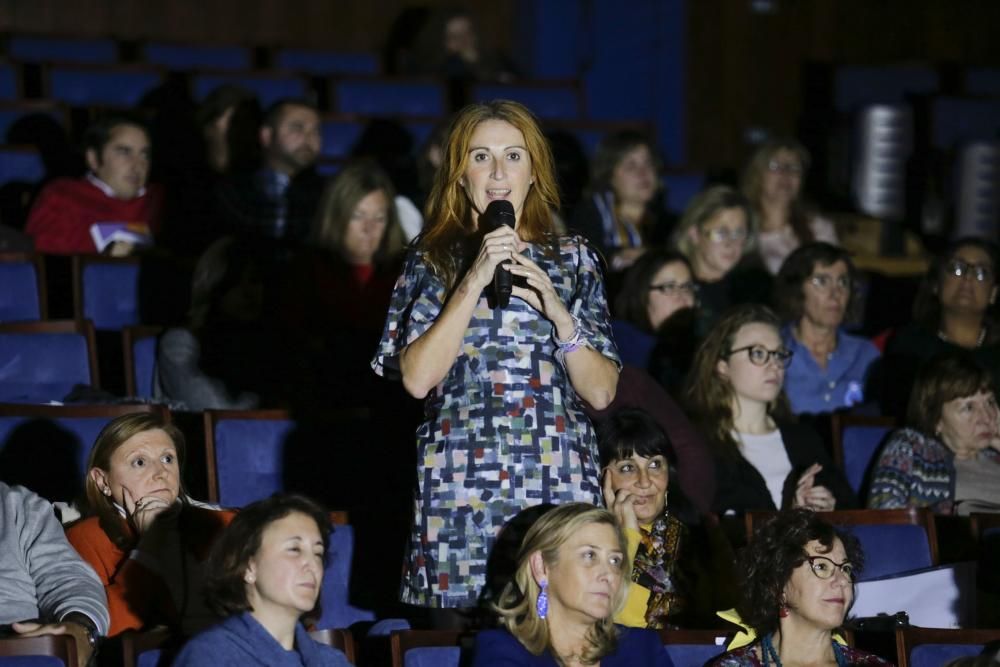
(542, 604)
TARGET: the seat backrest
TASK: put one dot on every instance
(325, 63)
(340, 135)
(693, 648)
(557, 100)
(338, 612)
(37, 49)
(62, 436)
(88, 86)
(23, 295)
(46, 651)
(40, 362)
(933, 647)
(268, 87)
(106, 291)
(894, 541)
(10, 86)
(20, 164)
(197, 56)
(856, 441)
(245, 454)
(389, 97)
(139, 348)
(429, 648)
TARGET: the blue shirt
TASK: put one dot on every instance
(240, 641)
(814, 390)
(499, 648)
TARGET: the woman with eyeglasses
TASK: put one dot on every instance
(953, 312)
(814, 292)
(948, 456)
(714, 233)
(772, 181)
(797, 587)
(657, 300)
(763, 461)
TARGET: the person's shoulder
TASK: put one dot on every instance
(638, 642)
(858, 345)
(84, 529)
(497, 646)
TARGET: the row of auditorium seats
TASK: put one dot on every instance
(915, 647)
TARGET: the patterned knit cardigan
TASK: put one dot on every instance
(915, 470)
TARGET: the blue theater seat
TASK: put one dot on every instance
(106, 291)
(23, 295)
(325, 63)
(62, 50)
(20, 164)
(244, 451)
(856, 443)
(197, 56)
(429, 648)
(10, 88)
(338, 612)
(42, 361)
(956, 120)
(933, 647)
(88, 86)
(389, 97)
(681, 189)
(61, 431)
(556, 101)
(268, 87)
(139, 349)
(339, 136)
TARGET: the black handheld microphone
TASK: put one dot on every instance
(500, 212)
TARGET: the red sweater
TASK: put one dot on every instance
(137, 595)
(66, 208)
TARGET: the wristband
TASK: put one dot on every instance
(572, 343)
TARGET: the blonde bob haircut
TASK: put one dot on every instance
(114, 434)
(705, 206)
(449, 213)
(516, 605)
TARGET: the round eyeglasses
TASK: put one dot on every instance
(824, 567)
(672, 288)
(779, 167)
(959, 268)
(761, 356)
(723, 235)
(825, 283)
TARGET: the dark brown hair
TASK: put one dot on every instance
(788, 296)
(632, 302)
(114, 434)
(225, 587)
(777, 548)
(944, 378)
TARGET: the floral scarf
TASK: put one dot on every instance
(656, 569)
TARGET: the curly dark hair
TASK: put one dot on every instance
(788, 297)
(777, 548)
(225, 588)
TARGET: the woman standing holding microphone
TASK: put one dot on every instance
(504, 386)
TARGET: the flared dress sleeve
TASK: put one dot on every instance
(589, 303)
(416, 302)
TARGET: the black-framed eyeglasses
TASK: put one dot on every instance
(824, 567)
(779, 167)
(761, 356)
(825, 283)
(959, 268)
(672, 288)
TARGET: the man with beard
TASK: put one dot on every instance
(278, 200)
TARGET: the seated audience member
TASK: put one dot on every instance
(623, 214)
(45, 587)
(772, 182)
(953, 312)
(569, 583)
(113, 194)
(143, 536)
(264, 577)
(715, 232)
(797, 586)
(674, 578)
(814, 292)
(948, 457)
(763, 461)
(277, 200)
(222, 358)
(449, 46)
(656, 316)
(637, 389)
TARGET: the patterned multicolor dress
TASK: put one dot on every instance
(504, 430)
